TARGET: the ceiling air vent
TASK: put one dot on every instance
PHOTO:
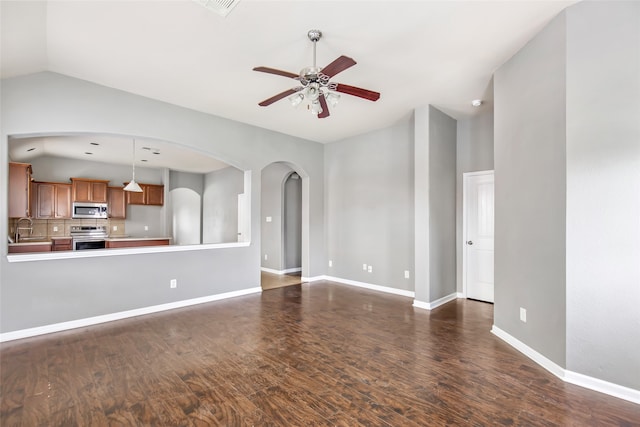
(221, 7)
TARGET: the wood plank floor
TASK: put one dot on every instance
(323, 354)
(273, 281)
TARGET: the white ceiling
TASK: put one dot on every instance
(414, 53)
(115, 149)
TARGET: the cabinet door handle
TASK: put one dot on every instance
(469, 242)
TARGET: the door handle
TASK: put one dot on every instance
(469, 242)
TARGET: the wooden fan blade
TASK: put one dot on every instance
(279, 96)
(339, 65)
(356, 91)
(277, 72)
(325, 107)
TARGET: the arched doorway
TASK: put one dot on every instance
(281, 226)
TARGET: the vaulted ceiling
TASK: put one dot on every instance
(414, 53)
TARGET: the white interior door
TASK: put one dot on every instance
(478, 235)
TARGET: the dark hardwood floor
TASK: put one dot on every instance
(273, 281)
(322, 354)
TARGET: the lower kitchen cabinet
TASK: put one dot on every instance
(22, 248)
(61, 244)
(129, 243)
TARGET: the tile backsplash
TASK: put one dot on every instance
(47, 228)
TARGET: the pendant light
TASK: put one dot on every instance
(133, 185)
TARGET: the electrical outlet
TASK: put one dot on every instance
(266, 257)
(406, 274)
(173, 283)
(364, 267)
(269, 219)
(523, 314)
(55, 228)
(115, 228)
(146, 228)
(370, 269)
(330, 263)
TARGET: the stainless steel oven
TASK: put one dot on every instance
(86, 237)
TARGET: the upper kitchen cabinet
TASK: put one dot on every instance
(117, 207)
(19, 190)
(89, 190)
(51, 200)
(152, 195)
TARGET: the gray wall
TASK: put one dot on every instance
(530, 171)
(272, 204)
(474, 152)
(292, 222)
(435, 204)
(369, 206)
(39, 293)
(220, 205)
(442, 204)
(603, 191)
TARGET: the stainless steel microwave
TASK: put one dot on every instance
(89, 210)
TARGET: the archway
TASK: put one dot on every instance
(282, 224)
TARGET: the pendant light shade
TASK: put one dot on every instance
(133, 185)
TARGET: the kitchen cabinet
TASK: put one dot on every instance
(22, 248)
(152, 195)
(89, 190)
(117, 203)
(19, 190)
(61, 244)
(51, 200)
(135, 243)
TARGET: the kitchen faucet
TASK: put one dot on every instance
(18, 228)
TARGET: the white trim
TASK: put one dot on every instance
(80, 323)
(96, 253)
(435, 304)
(313, 279)
(581, 380)
(281, 272)
(601, 386)
(460, 295)
(373, 287)
(529, 352)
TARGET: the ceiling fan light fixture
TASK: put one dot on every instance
(332, 98)
(296, 99)
(315, 107)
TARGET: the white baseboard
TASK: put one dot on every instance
(581, 380)
(373, 287)
(436, 303)
(460, 295)
(81, 323)
(601, 386)
(313, 279)
(281, 272)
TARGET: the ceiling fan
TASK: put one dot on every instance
(316, 87)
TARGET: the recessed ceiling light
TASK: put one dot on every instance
(94, 143)
(476, 102)
(87, 152)
(156, 152)
(31, 149)
(144, 160)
